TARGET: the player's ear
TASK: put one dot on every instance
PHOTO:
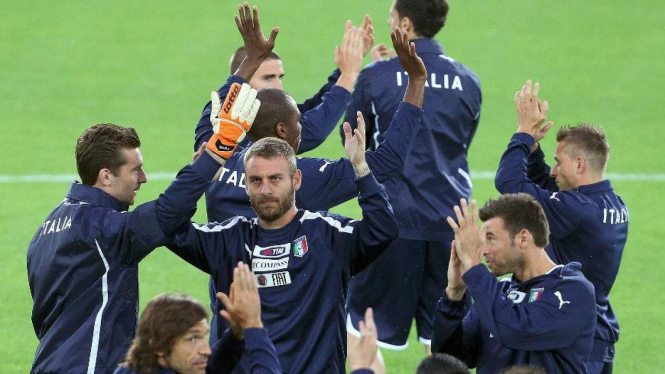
(280, 131)
(580, 165)
(297, 179)
(104, 177)
(406, 24)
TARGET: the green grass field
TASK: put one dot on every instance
(66, 65)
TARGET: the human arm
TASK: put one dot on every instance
(318, 121)
(544, 324)
(258, 48)
(362, 351)
(455, 329)
(242, 310)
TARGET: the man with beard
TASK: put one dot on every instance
(543, 316)
(326, 183)
(303, 260)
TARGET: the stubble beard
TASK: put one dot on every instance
(271, 214)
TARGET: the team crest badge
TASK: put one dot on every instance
(300, 246)
(535, 294)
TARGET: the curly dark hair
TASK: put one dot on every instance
(428, 16)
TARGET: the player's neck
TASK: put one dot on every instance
(535, 264)
(280, 222)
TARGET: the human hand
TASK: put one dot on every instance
(354, 145)
(349, 57)
(456, 286)
(198, 153)
(367, 29)
(380, 52)
(406, 52)
(232, 120)
(531, 112)
(362, 351)
(242, 309)
(468, 242)
(250, 28)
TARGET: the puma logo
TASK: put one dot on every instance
(561, 300)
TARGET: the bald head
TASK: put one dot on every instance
(277, 107)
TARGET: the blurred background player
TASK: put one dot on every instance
(588, 221)
(405, 282)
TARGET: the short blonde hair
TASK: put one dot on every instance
(270, 148)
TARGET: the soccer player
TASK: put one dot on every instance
(404, 283)
(326, 183)
(544, 315)
(588, 221)
(171, 336)
(320, 113)
(83, 260)
(303, 260)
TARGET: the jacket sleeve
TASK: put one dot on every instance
(226, 354)
(261, 351)
(544, 324)
(203, 130)
(539, 172)
(318, 122)
(149, 225)
(561, 208)
(360, 101)
(315, 100)
(455, 330)
(360, 242)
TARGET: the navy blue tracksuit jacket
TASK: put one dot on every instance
(436, 173)
(302, 270)
(547, 321)
(83, 270)
(588, 225)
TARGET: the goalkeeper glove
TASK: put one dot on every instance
(232, 120)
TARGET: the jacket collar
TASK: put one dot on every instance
(93, 195)
(428, 45)
(601, 186)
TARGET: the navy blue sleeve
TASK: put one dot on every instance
(455, 330)
(226, 354)
(563, 209)
(203, 130)
(149, 225)
(315, 100)
(363, 241)
(539, 172)
(545, 324)
(318, 122)
(360, 101)
(261, 351)
(329, 183)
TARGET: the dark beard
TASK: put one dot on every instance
(271, 214)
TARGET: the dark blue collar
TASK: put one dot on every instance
(93, 195)
(601, 186)
(428, 45)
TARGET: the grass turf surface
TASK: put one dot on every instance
(66, 65)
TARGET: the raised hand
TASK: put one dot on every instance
(354, 145)
(531, 112)
(250, 28)
(406, 52)
(242, 309)
(349, 57)
(362, 352)
(380, 52)
(367, 29)
(456, 286)
(468, 242)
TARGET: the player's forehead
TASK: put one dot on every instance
(272, 66)
(494, 226)
(260, 167)
(200, 328)
(133, 157)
